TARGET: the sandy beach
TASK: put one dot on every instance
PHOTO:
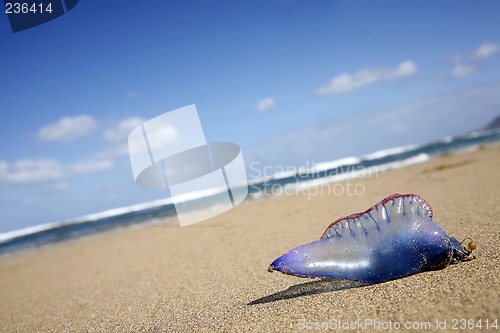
(213, 276)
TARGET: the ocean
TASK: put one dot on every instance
(280, 183)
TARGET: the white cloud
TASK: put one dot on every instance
(122, 130)
(89, 166)
(50, 171)
(117, 138)
(467, 63)
(57, 174)
(405, 68)
(486, 50)
(462, 70)
(40, 171)
(67, 129)
(26, 171)
(265, 104)
(346, 82)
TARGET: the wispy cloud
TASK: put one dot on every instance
(29, 171)
(43, 171)
(486, 50)
(67, 129)
(121, 131)
(467, 63)
(346, 82)
(116, 138)
(26, 171)
(462, 70)
(89, 166)
(265, 104)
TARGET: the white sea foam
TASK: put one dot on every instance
(363, 172)
(389, 151)
(5, 236)
(86, 218)
(282, 174)
(448, 139)
(420, 158)
(29, 230)
(324, 166)
(291, 171)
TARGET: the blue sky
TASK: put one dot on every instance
(291, 82)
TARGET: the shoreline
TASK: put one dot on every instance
(296, 188)
(213, 275)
